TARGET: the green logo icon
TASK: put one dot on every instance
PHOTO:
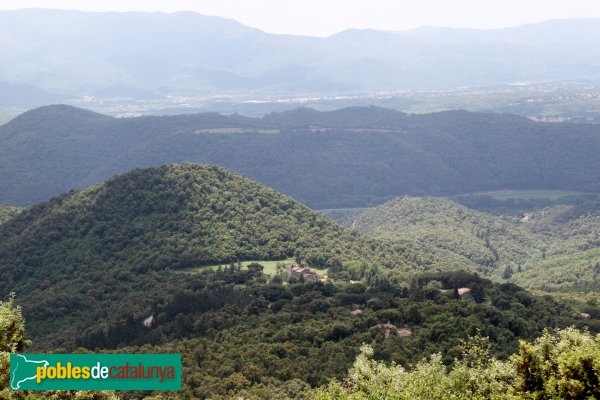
(95, 371)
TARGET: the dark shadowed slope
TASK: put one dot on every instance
(345, 158)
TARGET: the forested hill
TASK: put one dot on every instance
(455, 235)
(552, 249)
(349, 157)
(110, 251)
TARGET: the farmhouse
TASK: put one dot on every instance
(298, 271)
(390, 329)
(148, 321)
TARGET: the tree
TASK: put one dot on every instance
(560, 365)
(564, 364)
(12, 327)
(255, 269)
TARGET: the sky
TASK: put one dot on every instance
(327, 17)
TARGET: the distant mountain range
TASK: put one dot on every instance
(70, 54)
(352, 157)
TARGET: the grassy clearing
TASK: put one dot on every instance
(338, 214)
(529, 194)
(270, 266)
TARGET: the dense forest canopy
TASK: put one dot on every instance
(7, 212)
(90, 266)
(264, 340)
(351, 157)
(72, 258)
(458, 236)
(359, 253)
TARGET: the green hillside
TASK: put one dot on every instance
(294, 338)
(571, 257)
(108, 252)
(267, 343)
(558, 365)
(458, 237)
(551, 249)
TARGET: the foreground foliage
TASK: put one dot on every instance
(562, 364)
(261, 340)
(285, 339)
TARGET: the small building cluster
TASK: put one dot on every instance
(391, 329)
(461, 291)
(148, 321)
(297, 271)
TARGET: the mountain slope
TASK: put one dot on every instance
(571, 253)
(353, 157)
(457, 236)
(110, 251)
(554, 249)
(271, 351)
(107, 267)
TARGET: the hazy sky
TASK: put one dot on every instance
(325, 17)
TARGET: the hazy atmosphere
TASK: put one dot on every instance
(324, 18)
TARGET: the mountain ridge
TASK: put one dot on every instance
(363, 155)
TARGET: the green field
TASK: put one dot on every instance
(270, 266)
(529, 194)
(338, 214)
